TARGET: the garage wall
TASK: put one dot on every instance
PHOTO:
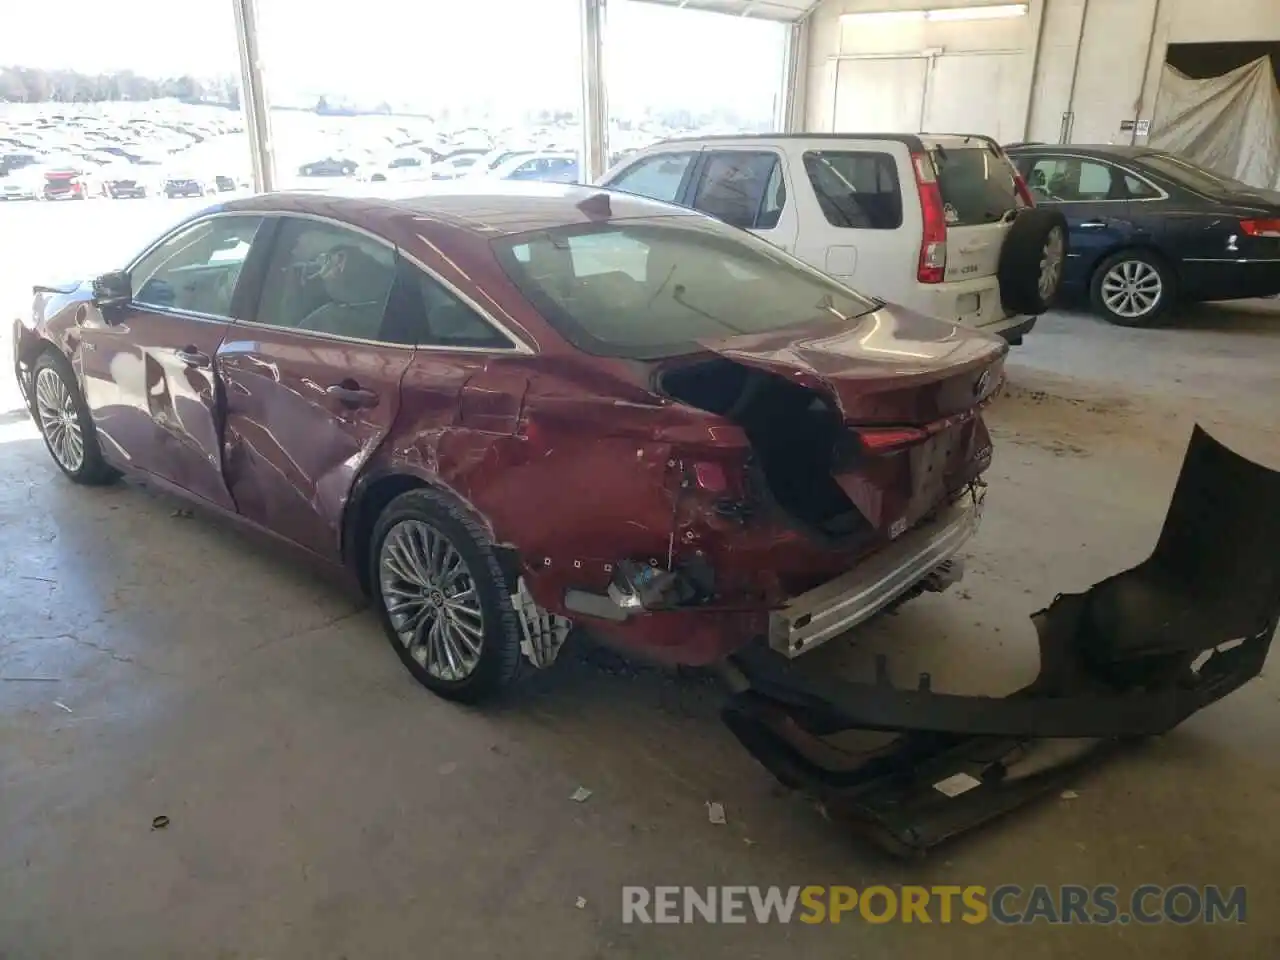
(1015, 81)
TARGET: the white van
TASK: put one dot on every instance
(942, 224)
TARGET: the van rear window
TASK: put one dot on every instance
(856, 189)
(977, 185)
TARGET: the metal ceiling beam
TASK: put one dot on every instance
(595, 109)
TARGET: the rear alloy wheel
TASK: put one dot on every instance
(1132, 288)
(442, 597)
(65, 422)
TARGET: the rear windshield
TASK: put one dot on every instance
(977, 185)
(856, 188)
(653, 287)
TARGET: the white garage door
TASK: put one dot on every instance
(879, 95)
(982, 93)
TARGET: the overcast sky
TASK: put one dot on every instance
(521, 50)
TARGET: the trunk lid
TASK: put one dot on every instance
(890, 367)
(908, 390)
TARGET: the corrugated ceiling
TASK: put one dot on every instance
(785, 10)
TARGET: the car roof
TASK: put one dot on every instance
(1115, 150)
(909, 139)
(486, 209)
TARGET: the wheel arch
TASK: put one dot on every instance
(377, 487)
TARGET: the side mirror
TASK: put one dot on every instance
(112, 289)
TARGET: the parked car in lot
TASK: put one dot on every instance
(940, 224)
(68, 184)
(184, 185)
(1150, 229)
(407, 167)
(329, 167)
(547, 167)
(126, 183)
(16, 187)
(407, 387)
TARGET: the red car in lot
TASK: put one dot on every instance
(511, 410)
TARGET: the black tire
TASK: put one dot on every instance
(93, 470)
(1144, 263)
(1025, 258)
(499, 662)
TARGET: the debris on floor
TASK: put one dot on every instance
(160, 822)
(580, 903)
(581, 795)
(62, 706)
(183, 513)
(1069, 795)
(715, 812)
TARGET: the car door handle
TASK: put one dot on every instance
(1093, 225)
(193, 357)
(351, 394)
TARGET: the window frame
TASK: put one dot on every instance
(707, 155)
(1114, 166)
(686, 178)
(262, 237)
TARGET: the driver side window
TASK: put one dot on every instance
(197, 268)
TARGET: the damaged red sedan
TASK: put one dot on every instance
(513, 412)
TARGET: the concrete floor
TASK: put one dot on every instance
(322, 805)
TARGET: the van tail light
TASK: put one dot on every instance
(1024, 192)
(1261, 228)
(933, 246)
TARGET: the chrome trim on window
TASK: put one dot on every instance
(518, 344)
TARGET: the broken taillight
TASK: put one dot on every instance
(890, 439)
(710, 477)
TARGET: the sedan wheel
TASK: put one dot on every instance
(442, 596)
(58, 420)
(1132, 288)
(65, 422)
(431, 598)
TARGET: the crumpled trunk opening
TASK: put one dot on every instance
(793, 432)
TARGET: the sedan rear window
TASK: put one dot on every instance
(977, 185)
(649, 288)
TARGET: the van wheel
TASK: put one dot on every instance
(1132, 288)
(442, 597)
(1032, 261)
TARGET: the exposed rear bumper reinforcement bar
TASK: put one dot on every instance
(1132, 656)
(843, 603)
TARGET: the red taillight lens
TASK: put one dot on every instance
(1024, 192)
(890, 439)
(1261, 228)
(933, 245)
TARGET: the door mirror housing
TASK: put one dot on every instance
(112, 289)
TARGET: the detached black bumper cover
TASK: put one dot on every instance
(1134, 655)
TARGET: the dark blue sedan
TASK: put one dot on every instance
(1150, 229)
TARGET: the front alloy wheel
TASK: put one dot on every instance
(59, 420)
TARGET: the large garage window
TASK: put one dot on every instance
(856, 189)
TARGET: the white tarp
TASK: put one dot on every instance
(1230, 123)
